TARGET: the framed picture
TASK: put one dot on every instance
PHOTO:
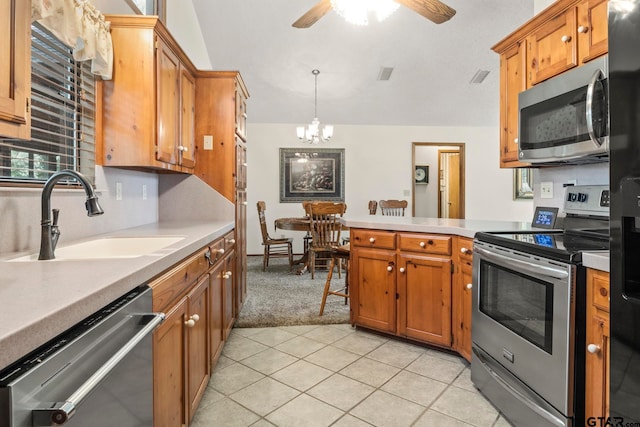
(311, 174)
(522, 183)
(421, 175)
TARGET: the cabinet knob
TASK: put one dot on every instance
(182, 148)
(593, 348)
(372, 240)
(389, 268)
(221, 251)
(195, 317)
(401, 270)
(231, 241)
(515, 140)
(190, 323)
(565, 39)
(583, 29)
(244, 203)
(466, 251)
(469, 286)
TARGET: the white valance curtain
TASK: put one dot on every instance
(79, 25)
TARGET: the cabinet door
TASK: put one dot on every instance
(187, 143)
(228, 308)
(241, 113)
(241, 247)
(15, 68)
(424, 303)
(592, 29)
(373, 289)
(168, 88)
(169, 397)
(512, 82)
(216, 304)
(198, 361)
(553, 47)
(465, 289)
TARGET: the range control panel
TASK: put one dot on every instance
(587, 200)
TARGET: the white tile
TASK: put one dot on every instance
(246, 332)
(502, 422)
(386, 410)
(414, 387)
(240, 348)
(332, 358)
(433, 418)
(302, 375)
(264, 396)
(350, 421)
(269, 361)
(464, 381)
(326, 334)
(359, 343)
(305, 411)
(233, 378)
(298, 329)
(341, 392)
(370, 372)
(437, 368)
(396, 353)
(272, 336)
(300, 346)
(224, 413)
(466, 406)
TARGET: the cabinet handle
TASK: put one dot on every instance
(401, 269)
(565, 39)
(423, 244)
(190, 323)
(515, 140)
(231, 241)
(389, 268)
(583, 29)
(183, 148)
(372, 240)
(466, 250)
(244, 203)
(244, 115)
(221, 251)
(226, 275)
(469, 285)
(593, 348)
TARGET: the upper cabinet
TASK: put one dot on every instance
(15, 68)
(565, 35)
(148, 109)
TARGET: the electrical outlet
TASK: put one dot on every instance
(144, 191)
(118, 191)
(546, 190)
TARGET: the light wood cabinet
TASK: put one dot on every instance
(401, 284)
(566, 34)
(597, 360)
(188, 343)
(148, 108)
(462, 295)
(15, 69)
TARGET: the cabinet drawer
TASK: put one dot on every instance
(373, 238)
(217, 250)
(600, 291)
(229, 241)
(176, 282)
(428, 244)
(465, 248)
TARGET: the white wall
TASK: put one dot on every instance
(540, 5)
(378, 166)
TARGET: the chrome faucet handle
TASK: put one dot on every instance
(55, 230)
(56, 213)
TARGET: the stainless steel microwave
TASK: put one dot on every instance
(566, 118)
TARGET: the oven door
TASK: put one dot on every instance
(523, 318)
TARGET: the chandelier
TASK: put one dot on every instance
(313, 134)
(357, 11)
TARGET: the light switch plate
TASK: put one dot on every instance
(546, 190)
(118, 191)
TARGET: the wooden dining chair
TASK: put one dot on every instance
(373, 207)
(338, 255)
(393, 207)
(325, 226)
(273, 247)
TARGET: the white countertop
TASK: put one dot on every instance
(598, 260)
(459, 227)
(41, 299)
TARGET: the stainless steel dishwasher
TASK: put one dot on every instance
(98, 373)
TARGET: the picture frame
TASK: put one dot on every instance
(311, 174)
(421, 174)
(522, 183)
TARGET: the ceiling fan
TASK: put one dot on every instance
(433, 10)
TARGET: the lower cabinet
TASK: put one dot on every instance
(597, 352)
(401, 283)
(197, 296)
(462, 296)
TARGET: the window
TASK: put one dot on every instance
(62, 116)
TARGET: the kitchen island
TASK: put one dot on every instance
(41, 299)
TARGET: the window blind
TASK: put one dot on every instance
(62, 116)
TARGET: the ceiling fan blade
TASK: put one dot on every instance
(313, 14)
(433, 10)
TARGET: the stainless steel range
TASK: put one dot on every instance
(528, 324)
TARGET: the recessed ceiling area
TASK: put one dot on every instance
(433, 64)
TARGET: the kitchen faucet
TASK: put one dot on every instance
(50, 231)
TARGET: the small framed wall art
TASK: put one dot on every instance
(421, 174)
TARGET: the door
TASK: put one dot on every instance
(449, 182)
(373, 289)
(424, 299)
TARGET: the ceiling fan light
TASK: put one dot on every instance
(357, 11)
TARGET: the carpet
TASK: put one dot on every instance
(278, 297)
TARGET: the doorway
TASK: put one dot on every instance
(441, 193)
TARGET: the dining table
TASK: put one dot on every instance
(298, 224)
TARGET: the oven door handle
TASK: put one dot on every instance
(516, 264)
(60, 412)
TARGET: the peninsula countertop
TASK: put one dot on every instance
(41, 299)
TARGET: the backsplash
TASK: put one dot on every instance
(590, 174)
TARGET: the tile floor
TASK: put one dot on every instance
(335, 375)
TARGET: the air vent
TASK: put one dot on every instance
(479, 76)
(385, 73)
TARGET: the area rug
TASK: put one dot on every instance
(278, 297)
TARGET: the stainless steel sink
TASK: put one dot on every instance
(109, 247)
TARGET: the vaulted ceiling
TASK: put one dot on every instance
(433, 65)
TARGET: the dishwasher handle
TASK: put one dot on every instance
(60, 412)
(525, 266)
